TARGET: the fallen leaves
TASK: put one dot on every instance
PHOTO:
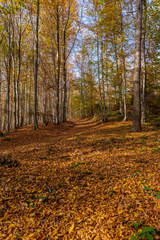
(71, 228)
(85, 182)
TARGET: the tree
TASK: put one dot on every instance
(36, 70)
(143, 82)
(136, 126)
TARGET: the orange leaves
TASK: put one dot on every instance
(90, 185)
(71, 228)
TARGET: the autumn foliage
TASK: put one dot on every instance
(80, 180)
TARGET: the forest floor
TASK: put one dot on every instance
(80, 180)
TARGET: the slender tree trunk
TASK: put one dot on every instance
(103, 86)
(71, 108)
(45, 100)
(99, 81)
(15, 95)
(107, 90)
(0, 97)
(81, 92)
(22, 104)
(136, 126)
(11, 109)
(45, 120)
(51, 114)
(36, 71)
(30, 93)
(124, 67)
(9, 74)
(14, 83)
(81, 88)
(119, 81)
(58, 69)
(5, 115)
(19, 68)
(64, 80)
(144, 75)
(125, 89)
(85, 98)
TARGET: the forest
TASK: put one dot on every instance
(79, 119)
(77, 59)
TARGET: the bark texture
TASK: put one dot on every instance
(136, 127)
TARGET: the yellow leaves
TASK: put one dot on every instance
(72, 196)
(11, 226)
(30, 190)
(157, 205)
(120, 211)
(133, 196)
(53, 233)
(97, 238)
(138, 202)
(67, 181)
(10, 236)
(140, 209)
(83, 206)
(31, 236)
(39, 191)
(5, 217)
(71, 228)
(32, 214)
(79, 220)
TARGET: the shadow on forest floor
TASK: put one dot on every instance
(79, 180)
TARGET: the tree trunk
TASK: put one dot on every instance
(30, 93)
(125, 88)
(103, 86)
(64, 80)
(22, 104)
(99, 81)
(36, 71)
(136, 125)
(124, 67)
(14, 83)
(9, 74)
(58, 69)
(81, 85)
(143, 87)
(0, 97)
(19, 68)
(118, 80)
(81, 92)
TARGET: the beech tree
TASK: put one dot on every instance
(137, 70)
(48, 71)
(36, 70)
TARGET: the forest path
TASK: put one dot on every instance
(80, 180)
(26, 137)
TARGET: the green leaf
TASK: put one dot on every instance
(149, 236)
(134, 238)
(143, 235)
(137, 234)
(158, 196)
(149, 229)
(135, 224)
(54, 190)
(147, 189)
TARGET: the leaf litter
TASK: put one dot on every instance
(88, 181)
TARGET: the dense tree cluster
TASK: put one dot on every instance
(70, 58)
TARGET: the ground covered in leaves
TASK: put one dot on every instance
(80, 180)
